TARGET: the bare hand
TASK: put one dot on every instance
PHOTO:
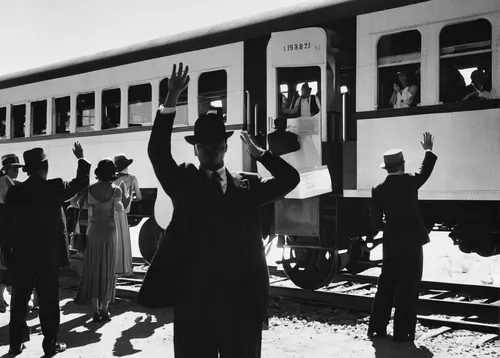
(428, 141)
(178, 81)
(78, 150)
(252, 148)
(396, 87)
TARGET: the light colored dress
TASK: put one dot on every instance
(98, 278)
(124, 250)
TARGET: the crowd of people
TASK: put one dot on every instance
(217, 311)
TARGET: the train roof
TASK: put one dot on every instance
(297, 16)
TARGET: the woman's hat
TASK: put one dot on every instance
(392, 159)
(122, 162)
(10, 161)
(33, 157)
(209, 128)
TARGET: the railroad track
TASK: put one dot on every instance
(446, 306)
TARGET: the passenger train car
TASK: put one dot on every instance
(350, 53)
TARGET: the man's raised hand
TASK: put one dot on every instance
(428, 141)
(179, 80)
(78, 150)
(254, 150)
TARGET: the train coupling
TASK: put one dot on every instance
(359, 254)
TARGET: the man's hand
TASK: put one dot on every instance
(177, 83)
(252, 148)
(78, 150)
(428, 141)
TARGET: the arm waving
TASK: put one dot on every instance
(429, 161)
(169, 174)
(284, 177)
(70, 189)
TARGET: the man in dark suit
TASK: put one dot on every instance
(38, 246)
(211, 265)
(404, 235)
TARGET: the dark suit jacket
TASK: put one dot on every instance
(38, 236)
(397, 199)
(190, 260)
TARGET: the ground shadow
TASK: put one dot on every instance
(387, 348)
(143, 328)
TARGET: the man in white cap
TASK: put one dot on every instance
(404, 235)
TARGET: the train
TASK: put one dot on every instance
(350, 54)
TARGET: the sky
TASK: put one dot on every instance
(39, 32)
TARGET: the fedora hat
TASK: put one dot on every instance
(209, 128)
(33, 157)
(10, 161)
(122, 162)
(392, 159)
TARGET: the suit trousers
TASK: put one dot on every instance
(398, 284)
(214, 323)
(46, 282)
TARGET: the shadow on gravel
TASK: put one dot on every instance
(282, 308)
(386, 348)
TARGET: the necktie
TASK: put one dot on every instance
(217, 180)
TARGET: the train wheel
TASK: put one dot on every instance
(148, 239)
(309, 268)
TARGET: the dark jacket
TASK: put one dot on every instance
(37, 235)
(213, 243)
(397, 199)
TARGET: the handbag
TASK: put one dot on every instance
(78, 239)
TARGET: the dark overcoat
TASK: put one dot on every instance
(191, 257)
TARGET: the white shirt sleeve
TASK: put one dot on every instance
(166, 110)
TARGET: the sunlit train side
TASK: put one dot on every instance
(349, 53)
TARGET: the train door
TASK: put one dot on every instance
(301, 97)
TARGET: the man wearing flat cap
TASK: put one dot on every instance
(39, 247)
(404, 235)
(211, 266)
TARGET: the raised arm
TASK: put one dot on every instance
(136, 189)
(294, 109)
(81, 181)
(284, 177)
(169, 174)
(429, 160)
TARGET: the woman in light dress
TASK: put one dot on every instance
(132, 192)
(104, 203)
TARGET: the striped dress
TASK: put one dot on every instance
(98, 278)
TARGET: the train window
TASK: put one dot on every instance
(399, 57)
(139, 105)
(38, 117)
(303, 83)
(3, 121)
(465, 61)
(181, 116)
(111, 104)
(212, 92)
(62, 114)
(18, 120)
(85, 112)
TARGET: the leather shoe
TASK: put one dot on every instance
(372, 333)
(58, 347)
(18, 350)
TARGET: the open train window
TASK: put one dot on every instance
(18, 120)
(3, 122)
(38, 117)
(139, 105)
(212, 92)
(111, 108)
(465, 61)
(62, 114)
(85, 112)
(399, 57)
(181, 115)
